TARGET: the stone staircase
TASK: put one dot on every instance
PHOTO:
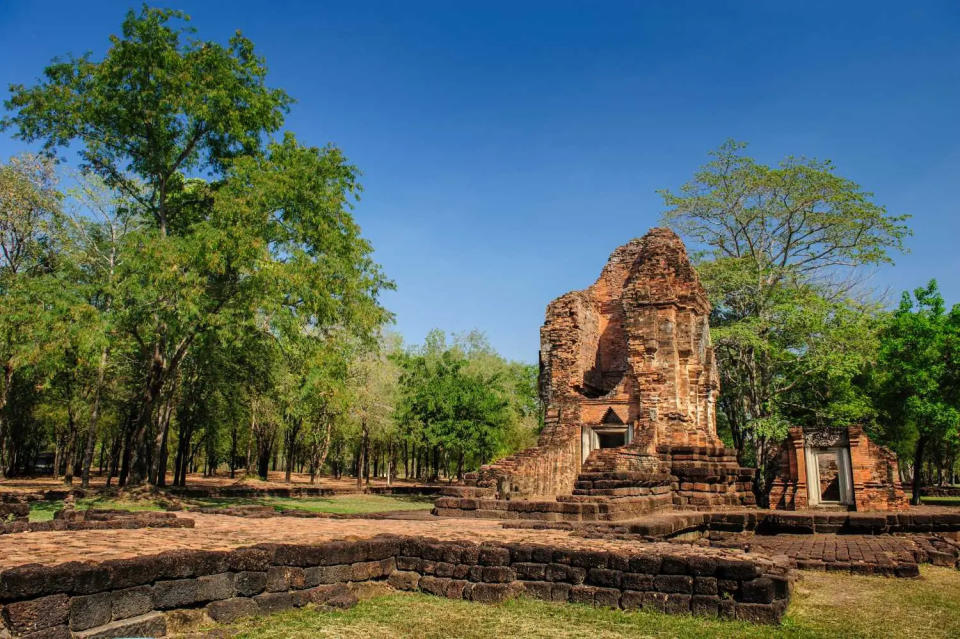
(617, 484)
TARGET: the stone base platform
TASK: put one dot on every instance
(618, 484)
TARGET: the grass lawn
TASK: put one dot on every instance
(43, 510)
(346, 504)
(824, 605)
(941, 501)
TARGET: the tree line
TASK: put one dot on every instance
(196, 294)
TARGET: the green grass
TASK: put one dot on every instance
(345, 504)
(823, 605)
(941, 501)
(43, 510)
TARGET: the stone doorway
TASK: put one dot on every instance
(829, 476)
(596, 436)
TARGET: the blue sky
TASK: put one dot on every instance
(508, 148)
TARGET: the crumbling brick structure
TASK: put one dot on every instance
(629, 384)
(837, 468)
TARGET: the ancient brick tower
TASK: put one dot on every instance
(629, 384)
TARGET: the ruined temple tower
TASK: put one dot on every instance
(629, 384)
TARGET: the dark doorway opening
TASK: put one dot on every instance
(612, 440)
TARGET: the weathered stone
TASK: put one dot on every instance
(229, 610)
(152, 624)
(327, 575)
(131, 602)
(281, 578)
(404, 580)
(37, 614)
(273, 601)
(87, 611)
(174, 593)
(673, 583)
(760, 590)
(214, 587)
(249, 583)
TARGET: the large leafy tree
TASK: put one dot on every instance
(781, 249)
(29, 204)
(237, 230)
(919, 373)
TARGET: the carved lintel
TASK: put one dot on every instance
(825, 437)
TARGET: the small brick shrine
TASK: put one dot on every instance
(837, 468)
(629, 384)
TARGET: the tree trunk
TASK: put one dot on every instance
(93, 427)
(4, 397)
(917, 465)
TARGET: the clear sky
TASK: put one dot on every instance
(508, 148)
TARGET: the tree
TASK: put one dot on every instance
(782, 247)
(919, 372)
(29, 200)
(267, 235)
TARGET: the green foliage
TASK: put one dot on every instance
(213, 275)
(464, 402)
(781, 246)
(918, 379)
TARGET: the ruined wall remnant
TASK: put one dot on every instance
(868, 474)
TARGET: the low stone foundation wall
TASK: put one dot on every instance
(100, 522)
(765, 522)
(131, 597)
(940, 491)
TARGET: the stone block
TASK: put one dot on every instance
(282, 578)
(37, 614)
(631, 600)
(604, 577)
(498, 574)
(582, 594)
(152, 624)
(53, 632)
(134, 571)
(214, 587)
(646, 564)
(674, 565)
(530, 571)
(589, 559)
(404, 580)
(705, 586)
(636, 581)
(249, 560)
(229, 610)
(538, 589)
(88, 611)
(494, 556)
(705, 605)
(131, 602)
(673, 583)
(318, 575)
(250, 582)
(492, 593)
(269, 602)
(409, 563)
(607, 597)
(569, 574)
(736, 569)
(760, 590)
(174, 593)
(672, 603)
(759, 613)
